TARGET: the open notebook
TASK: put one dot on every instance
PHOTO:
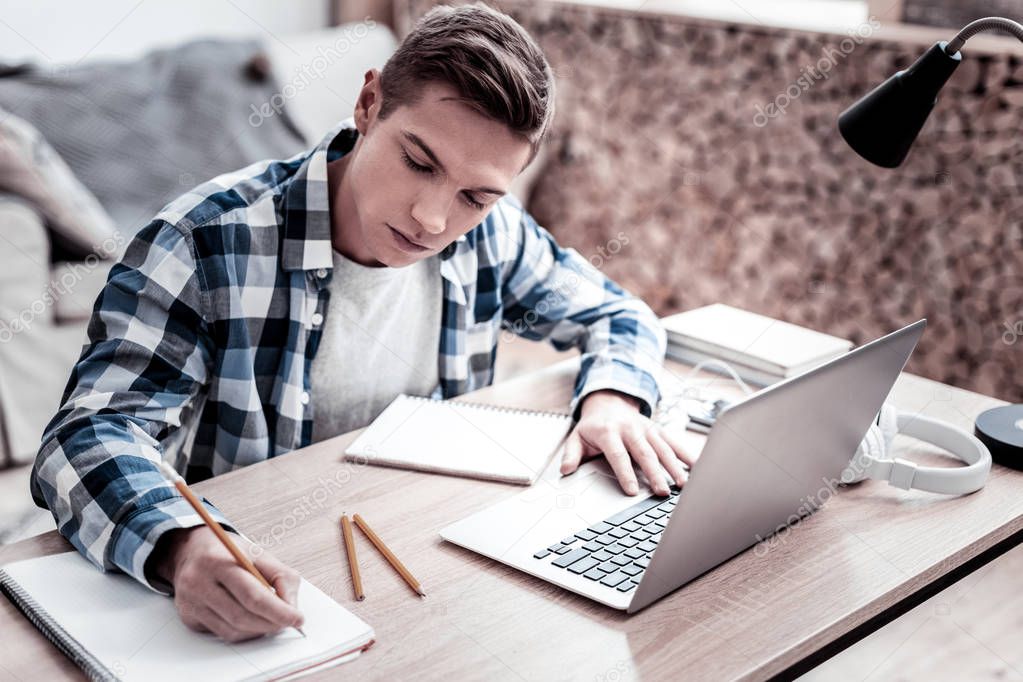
(462, 439)
(116, 629)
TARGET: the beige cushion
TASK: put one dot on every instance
(34, 369)
(24, 267)
(76, 287)
(36, 355)
(31, 169)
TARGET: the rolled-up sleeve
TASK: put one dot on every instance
(146, 358)
(553, 293)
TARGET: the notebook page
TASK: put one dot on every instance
(138, 635)
(462, 439)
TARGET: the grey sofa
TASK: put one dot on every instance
(296, 91)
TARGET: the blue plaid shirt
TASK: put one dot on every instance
(200, 344)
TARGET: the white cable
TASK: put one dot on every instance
(666, 411)
(720, 364)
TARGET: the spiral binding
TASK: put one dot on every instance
(493, 408)
(52, 630)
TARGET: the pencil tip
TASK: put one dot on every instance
(300, 631)
(421, 593)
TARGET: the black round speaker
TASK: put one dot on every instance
(1001, 430)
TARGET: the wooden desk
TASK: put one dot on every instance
(871, 553)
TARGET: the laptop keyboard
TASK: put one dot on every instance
(616, 551)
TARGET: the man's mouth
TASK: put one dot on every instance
(406, 244)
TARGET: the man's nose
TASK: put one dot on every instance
(431, 210)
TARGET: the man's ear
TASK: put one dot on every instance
(367, 107)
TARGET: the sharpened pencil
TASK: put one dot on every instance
(353, 562)
(389, 555)
(218, 530)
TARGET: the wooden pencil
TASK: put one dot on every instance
(389, 555)
(218, 530)
(353, 562)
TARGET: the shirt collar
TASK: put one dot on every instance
(305, 207)
(305, 204)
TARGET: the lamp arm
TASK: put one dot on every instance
(985, 24)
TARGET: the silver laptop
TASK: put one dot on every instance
(762, 466)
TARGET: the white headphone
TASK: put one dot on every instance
(873, 461)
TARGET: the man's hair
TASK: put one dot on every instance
(492, 63)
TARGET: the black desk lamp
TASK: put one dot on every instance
(882, 126)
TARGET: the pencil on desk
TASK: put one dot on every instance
(388, 554)
(353, 562)
(218, 530)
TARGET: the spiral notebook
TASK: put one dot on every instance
(462, 439)
(113, 628)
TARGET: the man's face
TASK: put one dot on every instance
(424, 176)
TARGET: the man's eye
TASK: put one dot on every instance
(413, 165)
(472, 202)
(419, 168)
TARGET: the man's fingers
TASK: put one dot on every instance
(610, 443)
(254, 596)
(287, 587)
(677, 446)
(214, 592)
(644, 454)
(190, 614)
(223, 603)
(667, 456)
(573, 453)
(213, 622)
(283, 578)
(198, 594)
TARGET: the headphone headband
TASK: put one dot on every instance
(907, 475)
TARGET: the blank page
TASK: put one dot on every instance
(137, 634)
(463, 439)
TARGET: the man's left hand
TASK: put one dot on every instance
(611, 424)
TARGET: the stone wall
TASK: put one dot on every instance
(664, 136)
(957, 13)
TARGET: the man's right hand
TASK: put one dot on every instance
(214, 594)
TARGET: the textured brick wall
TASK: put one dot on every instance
(664, 136)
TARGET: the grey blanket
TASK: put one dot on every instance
(140, 133)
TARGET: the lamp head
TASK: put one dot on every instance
(882, 125)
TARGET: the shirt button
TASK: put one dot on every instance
(321, 273)
(317, 319)
(304, 397)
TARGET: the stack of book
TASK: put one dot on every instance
(760, 349)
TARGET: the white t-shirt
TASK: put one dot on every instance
(381, 337)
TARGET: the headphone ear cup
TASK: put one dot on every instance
(888, 421)
(871, 447)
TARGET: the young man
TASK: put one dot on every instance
(292, 300)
